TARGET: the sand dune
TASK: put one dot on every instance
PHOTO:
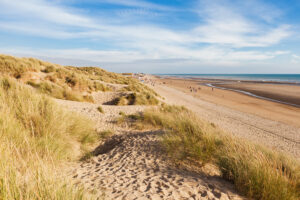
(132, 165)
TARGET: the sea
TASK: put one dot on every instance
(290, 78)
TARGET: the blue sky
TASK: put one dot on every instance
(152, 36)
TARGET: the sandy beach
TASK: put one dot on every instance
(272, 124)
(286, 93)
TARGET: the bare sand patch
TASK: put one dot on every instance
(133, 166)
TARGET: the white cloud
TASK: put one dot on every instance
(139, 4)
(295, 59)
(226, 25)
(37, 10)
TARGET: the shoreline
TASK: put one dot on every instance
(252, 94)
(280, 82)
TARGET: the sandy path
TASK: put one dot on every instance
(104, 121)
(251, 127)
(131, 164)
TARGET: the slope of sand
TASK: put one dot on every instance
(132, 165)
(268, 123)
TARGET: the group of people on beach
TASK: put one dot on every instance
(148, 81)
(194, 90)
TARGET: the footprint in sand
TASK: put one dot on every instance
(121, 171)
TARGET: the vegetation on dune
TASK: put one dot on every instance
(136, 99)
(58, 92)
(135, 86)
(257, 172)
(106, 133)
(142, 95)
(36, 137)
(66, 82)
(100, 109)
(96, 73)
(55, 80)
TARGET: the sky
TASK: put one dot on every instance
(156, 36)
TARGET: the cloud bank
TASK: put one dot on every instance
(220, 33)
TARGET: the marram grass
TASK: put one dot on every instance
(72, 83)
(36, 137)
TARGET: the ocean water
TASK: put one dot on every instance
(292, 78)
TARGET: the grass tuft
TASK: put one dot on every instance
(100, 109)
(137, 99)
(106, 133)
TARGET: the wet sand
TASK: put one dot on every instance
(280, 92)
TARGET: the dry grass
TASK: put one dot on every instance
(256, 171)
(137, 99)
(96, 73)
(106, 133)
(133, 85)
(36, 137)
(71, 83)
(55, 80)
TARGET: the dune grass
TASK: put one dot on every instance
(55, 80)
(257, 172)
(59, 92)
(37, 136)
(143, 94)
(96, 73)
(71, 83)
(136, 99)
(106, 133)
